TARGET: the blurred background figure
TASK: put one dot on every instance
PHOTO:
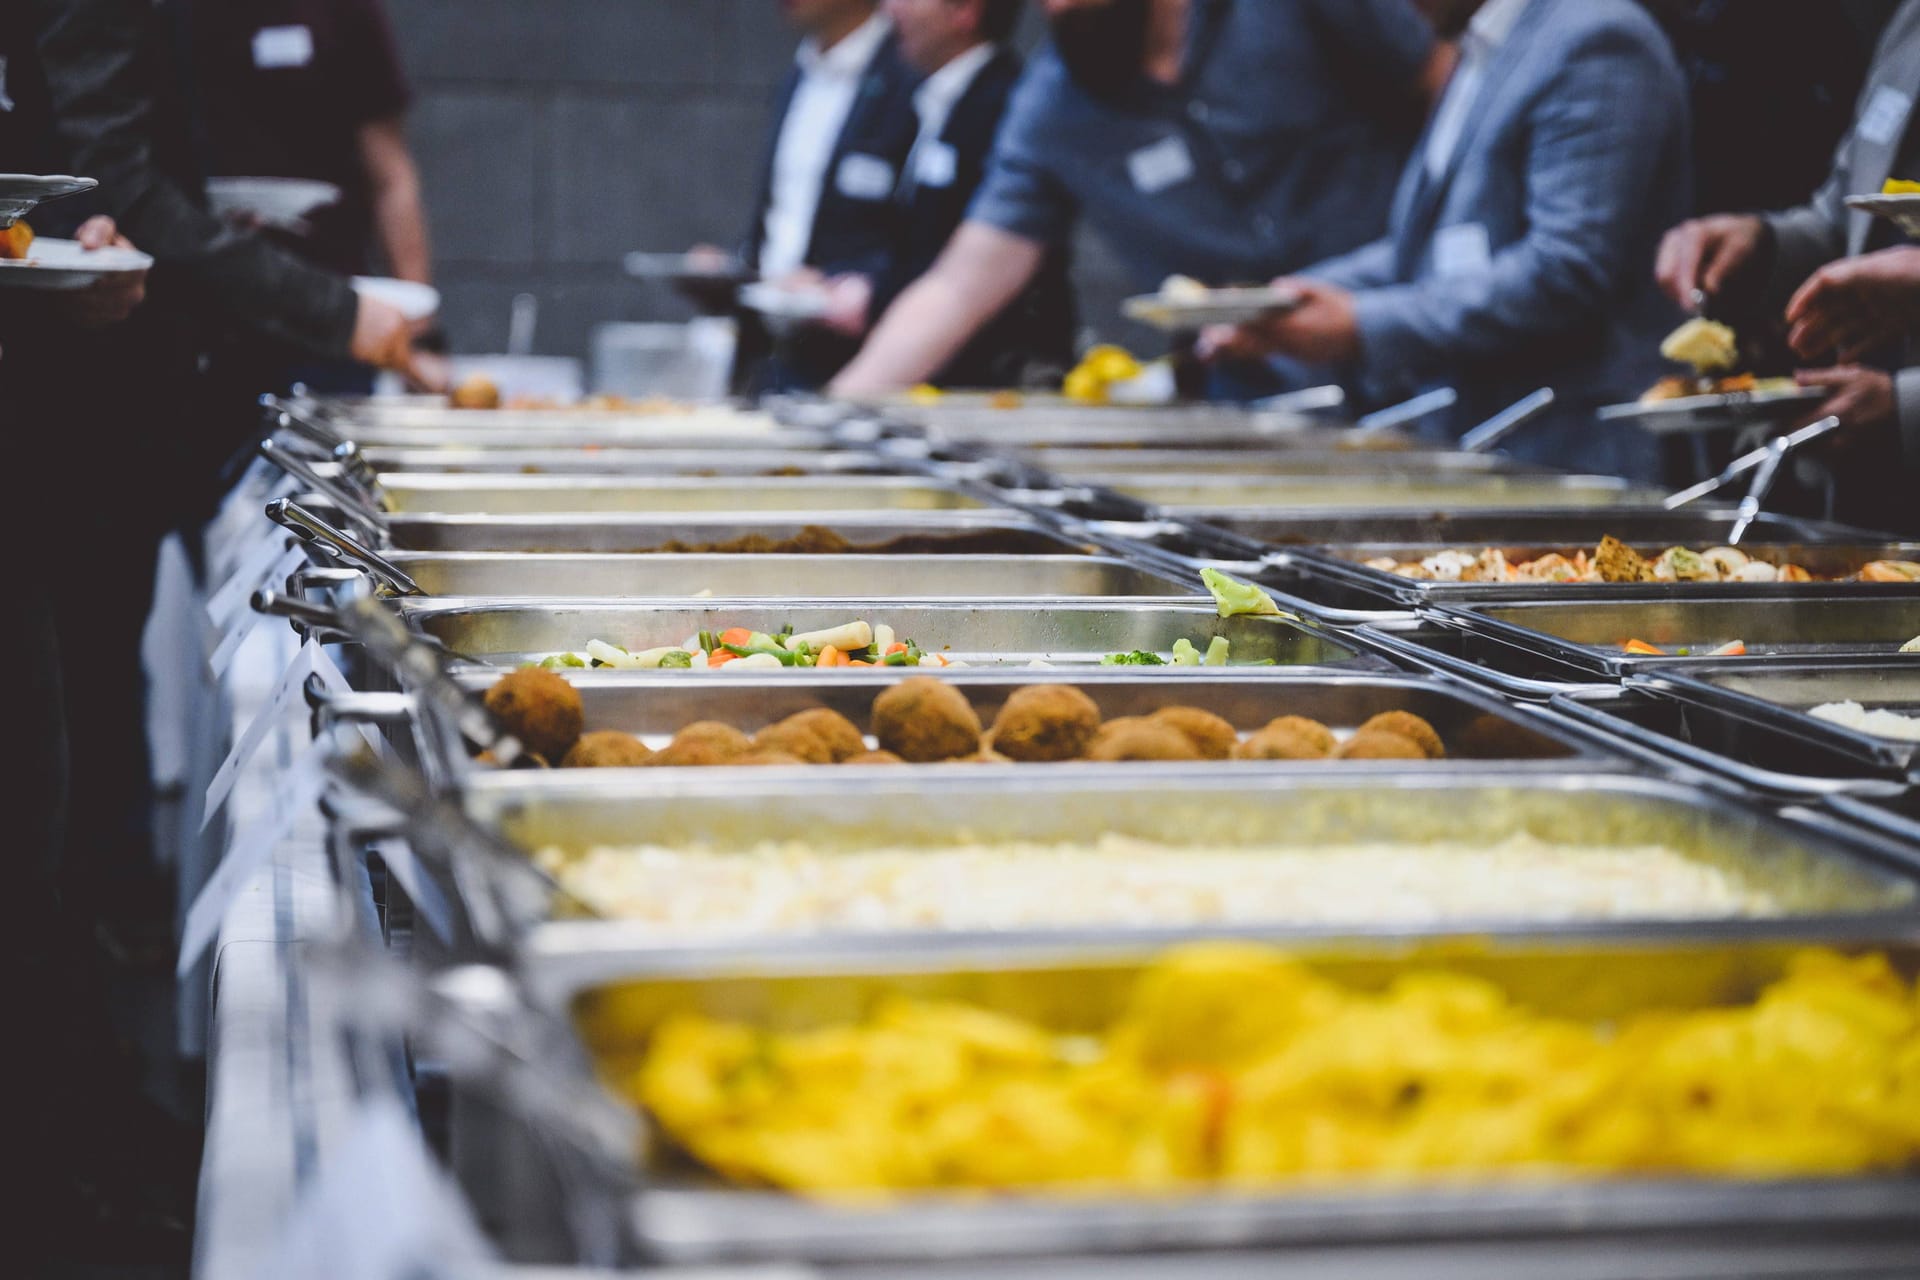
(1223, 142)
(960, 46)
(314, 89)
(839, 140)
(1757, 272)
(1520, 237)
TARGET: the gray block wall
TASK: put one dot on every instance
(554, 136)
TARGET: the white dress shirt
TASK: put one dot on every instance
(940, 92)
(822, 101)
(1489, 30)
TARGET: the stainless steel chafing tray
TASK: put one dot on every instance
(581, 434)
(1475, 727)
(1478, 527)
(1089, 464)
(1583, 631)
(1204, 495)
(356, 416)
(683, 1217)
(1778, 698)
(870, 532)
(690, 463)
(1075, 633)
(418, 493)
(797, 577)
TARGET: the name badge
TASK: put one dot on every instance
(1464, 250)
(936, 165)
(864, 177)
(1885, 118)
(277, 47)
(1166, 163)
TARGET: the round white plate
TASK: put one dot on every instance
(1902, 211)
(277, 202)
(412, 299)
(1713, 413)
(63, 264)
(1220, 306)
(21, 193)
(784, 304)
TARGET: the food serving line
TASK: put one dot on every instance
(1602, 832)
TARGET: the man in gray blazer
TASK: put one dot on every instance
(1517, 252)
(1794, 260)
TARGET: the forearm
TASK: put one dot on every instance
(400, 220)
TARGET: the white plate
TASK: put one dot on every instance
(1219, 306)
(784, 304)
(21, 193)
(687, 266)
(62, 264)
(412, 299)
(276, 202)
(1692, 414)
(1902, 211)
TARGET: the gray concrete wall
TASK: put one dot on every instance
(556, 135)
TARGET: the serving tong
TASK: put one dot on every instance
(342, 546)
(1765, 463)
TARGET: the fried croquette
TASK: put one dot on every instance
(797, 740)
(843, 739)
(1378, 744)
(922, 720)
(705, 742)
(1138, 739)
(607, 749)
(1287, 738)
(1044, 723)
(540, 709)
(1211, 736)
(477, 392)
(1409, 726)
(768, 757)
(875, 757)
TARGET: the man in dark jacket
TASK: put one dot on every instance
(960, 46)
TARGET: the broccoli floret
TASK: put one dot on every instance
(1138, 658)
(1238, 599)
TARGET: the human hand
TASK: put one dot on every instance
(1323, 329)
(1862, 398)
(112, 298)
(849, 298)
(1701, 257)
(1856, 305)
(381, 335)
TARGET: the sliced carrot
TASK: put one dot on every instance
(895, 647)
(1641, 646)
(721, 657)
(829, 657)
(1738, 649)
(857, 663)
(937, 658)
(735, 635)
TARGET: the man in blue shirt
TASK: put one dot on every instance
(1219, 139)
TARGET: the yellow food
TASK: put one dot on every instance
(1235, 1065)
(1900, 187)
(1099, 370)
(1707, 345)
(16, 240)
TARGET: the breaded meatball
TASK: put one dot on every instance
(1410, 726)
(540, 709)
(476, 392)
(1211, 736)
(1139, 739)
(1378, 744)
(1046, 722)
(698, 754)
(607, 749)
(1283, 741)
(797, 740)
(985, 755)
(1310, 731)
(843, 739)
(767, 757)
(922, 720)
(705, 742)
(875, 757)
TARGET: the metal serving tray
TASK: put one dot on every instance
(363, 417)
(418, 493)
(1205, 495)
(869, 532)
(583, 434)
(1778, 697)
(1085, 464)
(690, 463)
(1475, 727)
(1479, 527)
(799, 577)
(1582, 631)
(1074, 633)
(684, 1217)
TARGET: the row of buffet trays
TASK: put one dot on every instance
(1027, 543)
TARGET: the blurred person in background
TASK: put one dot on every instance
(1225, 142)
(1756, 270)
(1520, 236)
(315, 89)
(838, 142)
(961, 48)
(93, 87)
